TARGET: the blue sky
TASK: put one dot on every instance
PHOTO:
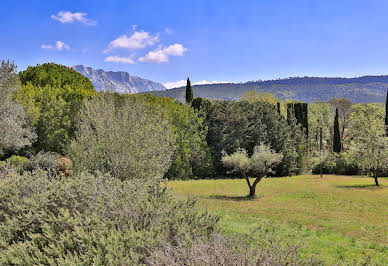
(167, 41)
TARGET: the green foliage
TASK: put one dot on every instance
(370, 142)
(92, 220)
(192, 157)
(320, 116)
(15, 133)
(58, 76)
(259, 164)
(300, 112)
(337, 164)
(234, 125)
(337, 147)
(386, 114)
(126, 137)
(189, 92)
(46, 161)
(19, 163)
(52, 95)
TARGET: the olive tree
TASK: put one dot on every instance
(261, 163)
(370, 142)
(14, 130)
(129, 138)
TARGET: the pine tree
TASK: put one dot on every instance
(386, 114)
(189, 92)
(337, 137)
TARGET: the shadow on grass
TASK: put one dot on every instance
(233, 198)
(362, 186)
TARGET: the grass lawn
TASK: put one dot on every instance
(339, 219)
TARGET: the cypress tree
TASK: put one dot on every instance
(278, 107)
(337, 137)
(189, 92)
(386, 114)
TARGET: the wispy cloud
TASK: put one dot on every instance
(69, 17)
(161, 55)
(138, 40)
(59, 46)
(118, 59)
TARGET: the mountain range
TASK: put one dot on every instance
(120, 81)
(364, 89)
(307, 89)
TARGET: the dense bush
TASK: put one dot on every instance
(46, 161)
(126, 137)
(15, 132)
(337, 164)
(20, 163)
(52, 95)
(91, 219)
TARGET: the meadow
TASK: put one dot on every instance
(339, 219)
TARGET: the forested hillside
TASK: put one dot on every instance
(308, 89)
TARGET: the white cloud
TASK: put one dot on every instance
(59, 46)
(138, 40)
(69, 17)
(46, 46)
(203, 82)
(160, 54)
(175, 84)
(118, 59)
(182, 83)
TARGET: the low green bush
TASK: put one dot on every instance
(20, 163)
(337, 164)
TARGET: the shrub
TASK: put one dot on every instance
(92, 220)
(127, 138)
(338, 164)
(20, 163)
(45, 160)
(64, 165)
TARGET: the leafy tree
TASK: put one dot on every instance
(15, 132)
(234, 125)
(344, 107)
(52, 95)
(386, 114)
(370, 142)
(189, 92)
(130, 140)
(337, 147)
(320, 115)
(262, 161)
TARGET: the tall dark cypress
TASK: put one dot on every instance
(386, 114)
(337, 136)
(189, 92)
(278, 107)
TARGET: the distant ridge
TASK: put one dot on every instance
(119, 81)
(308, 89)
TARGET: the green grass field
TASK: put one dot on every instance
(338, 219)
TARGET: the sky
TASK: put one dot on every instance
(206, 40)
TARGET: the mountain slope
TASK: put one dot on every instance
(120, 81)
(307, 89)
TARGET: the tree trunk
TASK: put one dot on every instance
(252, 189)
(376, 181)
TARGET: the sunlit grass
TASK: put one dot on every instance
(337, 217)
